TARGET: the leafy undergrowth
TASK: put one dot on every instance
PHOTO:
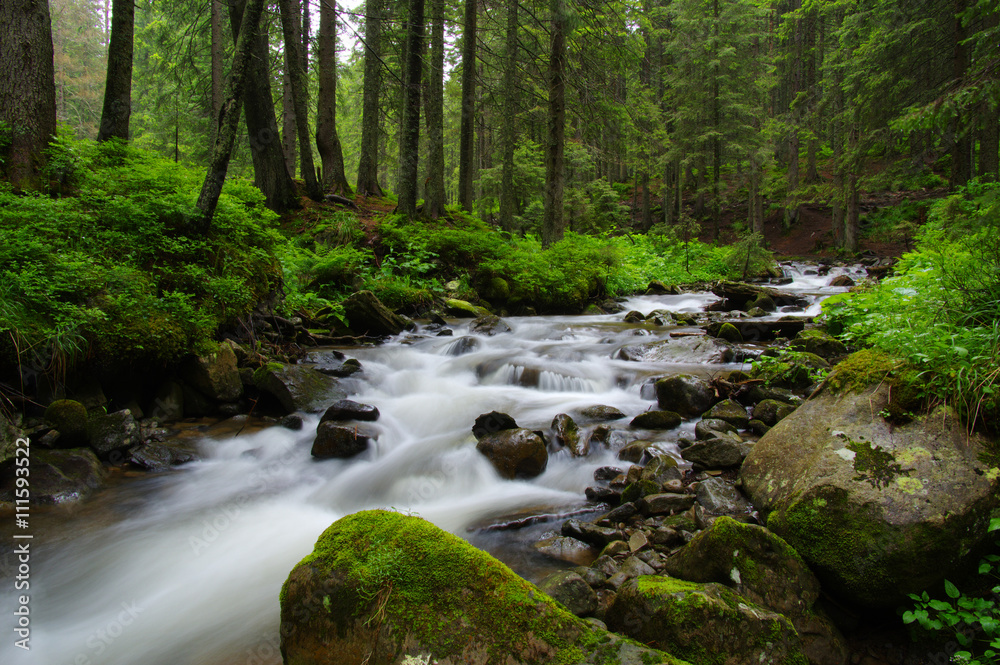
(940, 313)
(116, 271)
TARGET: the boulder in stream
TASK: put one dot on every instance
(705, 623)
(69, 418)
(57, 476)
(298, 387)
(740, 296)
(656, 420)
(819, 343)
(755, 330)
(688, 350)
(489, 325)
(346, 409)
(333, 441)
(491, 423)
(878, 510)
(366, 315)
(686, 394)
(214, 375)
(112, 435)
(382, 586)
(566, 434)
(515, 453)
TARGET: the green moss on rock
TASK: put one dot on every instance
(380, 585)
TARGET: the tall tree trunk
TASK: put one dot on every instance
(271, 175)
(300, 97)
(409, 129)
(989, 154)
(961, 152)
(467, 132)
(289, 139)
(368, 184)
(435, 196)
(552, 215)
(508, 195)
(852, 221)
(327, 139)
(717, 124)
(218, 49)
(229, 117)
(27, 90)
(118, 86)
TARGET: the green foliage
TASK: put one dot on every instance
(941, 311)
(115, 271)
(748, 256)
(973, 621)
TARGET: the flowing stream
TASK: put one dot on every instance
(184, 568)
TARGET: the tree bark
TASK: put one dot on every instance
(435, 196)
(368, 184)
(289, 143)
(467, 132)
(271, 174)
(27, 90)
(229, 117)
(852, 221)
(552, 216)
(217, 52)
(508, 196)
(409, 144)
(300, 97)
(327, 139)
(118, 86)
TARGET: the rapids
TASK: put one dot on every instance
(184, 568)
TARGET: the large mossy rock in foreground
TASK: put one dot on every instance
(380, 586)
(706, 624)
(877, 510)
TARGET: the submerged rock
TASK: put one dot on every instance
(877, 510)
(381, 586)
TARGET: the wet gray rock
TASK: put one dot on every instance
(515, 453)
(714, 453)
(299, 387)
(656, 420)
(489, 325)
(721, 498)
(333, 441)
(685, 394)
(601, 412)
(710, 428)
(112, 435)
(590, 533)
(682, 350)
(153, 457)
(730, 411)
(666, 503)
(770, 411)
(214, 375)
(567, 549)
(570, 589)
(57, 476)
(491, 423)
(346, 409)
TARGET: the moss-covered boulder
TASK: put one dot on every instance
(515, 453)
(730, 411)
(729, 332)
(112, 435)
(57, 476)
(566, 434)
(489, 325)
(706, 624)
(463, 309)
(298, 387)
(214, 375)
(366, 315)
(381, 586)
(770, 411)
(819, 343)
(69, 418)
(767, 571)
(686, 394)
(877, 509)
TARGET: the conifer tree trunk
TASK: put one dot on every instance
(118, 87)
(467, 132)
(27, 90)
(961, 152)
(300, 98)
(435, 196)
(289, 138)
(368, 184)
(217, 50)
(229, 117)
(409, 144)
(271, 175)
(552, 215)
(327, 139)
(508, 195)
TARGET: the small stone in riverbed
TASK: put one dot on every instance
(637, 541)
(615, 548)
(714, 454)
(566, 549)
(665, 503)
(492, 422)
(568, 588)
(337, 442)
(709, 428)
(731, 412)
(602, 412)
(606, 473)
(656, 420)
(603, 494)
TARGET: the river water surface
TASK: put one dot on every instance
(184, 568)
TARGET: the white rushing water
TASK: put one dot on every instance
(185, 567)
